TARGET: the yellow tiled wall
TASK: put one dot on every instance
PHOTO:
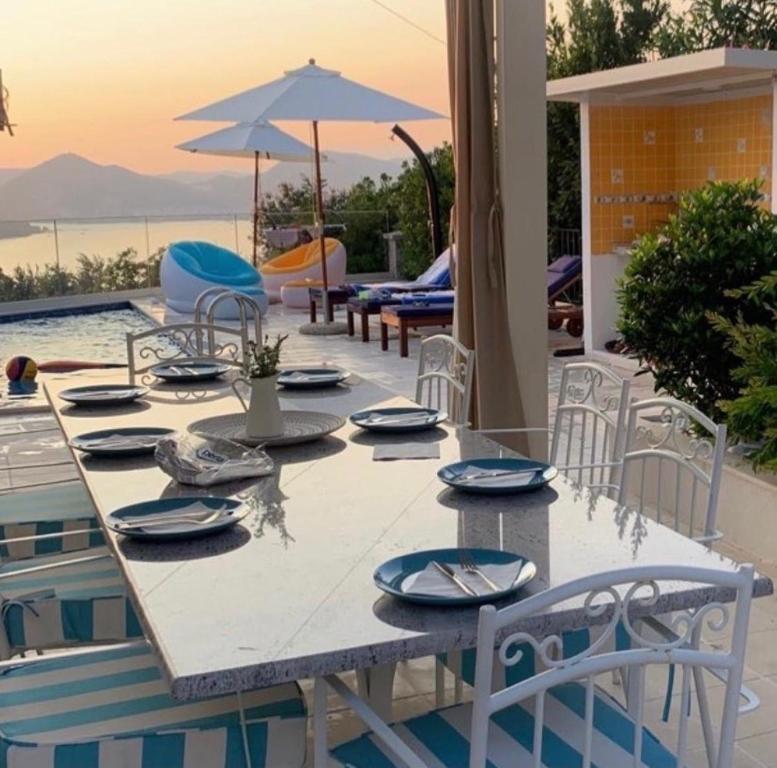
(642, 158)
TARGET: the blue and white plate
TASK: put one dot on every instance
(497, 476)
(416, 577)
(409, 419)
(186, 373)
(103, 394)
(120, 441)
(186, 517)
(312, 378)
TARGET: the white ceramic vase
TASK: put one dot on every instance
(263, 410)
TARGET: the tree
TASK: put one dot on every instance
(715, 23)
(409, 204)
(598, 34)
(753, 414)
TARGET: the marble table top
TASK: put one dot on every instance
(289, 594)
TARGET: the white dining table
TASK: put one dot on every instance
(289, 593)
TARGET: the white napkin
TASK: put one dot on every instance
(513, 479)
(431, 582)
(391, 451)
(101, 393)
(121, 441)
(404, 419)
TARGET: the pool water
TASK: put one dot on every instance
(96, 336)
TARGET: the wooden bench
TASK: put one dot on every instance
(364, 308)
(337, 296)
(403, 317)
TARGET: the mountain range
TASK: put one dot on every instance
(70, 186)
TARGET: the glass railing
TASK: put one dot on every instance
(47, 257)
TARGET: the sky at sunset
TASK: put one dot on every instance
(104, 78)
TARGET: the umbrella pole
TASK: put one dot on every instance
(256, 205)
(326, 328)
(320, 206)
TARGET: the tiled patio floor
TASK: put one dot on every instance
(33, 439)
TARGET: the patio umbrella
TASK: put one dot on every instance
(257, 140)
(313, 94)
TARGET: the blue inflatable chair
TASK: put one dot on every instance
(190, 267)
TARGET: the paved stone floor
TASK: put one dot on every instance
(31, 439)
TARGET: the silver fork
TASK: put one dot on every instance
(470, 566)
(136, 523)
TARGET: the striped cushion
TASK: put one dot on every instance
(83, 602)
(441, 738)
(51, 510)
(112, 709)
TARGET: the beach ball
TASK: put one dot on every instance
(21, 368)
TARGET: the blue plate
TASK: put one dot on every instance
(393, 575)
(183, 373)
(103, 394)
(497, 476)
(410, 419)
(172, 519)
(312, 378)
(120, 441)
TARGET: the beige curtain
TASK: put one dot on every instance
(481, 317)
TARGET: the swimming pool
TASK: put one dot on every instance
(97, 336)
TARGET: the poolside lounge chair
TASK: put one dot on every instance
(436, 277)
(188, 268)
(373, 305)
(564, 273)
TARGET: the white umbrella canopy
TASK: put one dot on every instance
(313, 94)
(250, 139)
(257, 140)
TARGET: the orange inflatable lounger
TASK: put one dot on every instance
(304, 263)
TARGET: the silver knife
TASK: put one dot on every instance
(488, 474)
(448, 572)
(525, 574)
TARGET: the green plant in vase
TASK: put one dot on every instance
(262, 361)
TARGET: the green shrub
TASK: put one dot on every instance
(93, 274)
(753, 415)
(720, 240)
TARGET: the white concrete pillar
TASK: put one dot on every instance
(585, 224)
(520, 33)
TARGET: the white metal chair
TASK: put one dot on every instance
(199, 341)
(182, 343)
(558, 716)
(45, 521)
(105, 708)
(586, 437)
(445, 371)
(64, 599)
(672, 465)
(585, 444)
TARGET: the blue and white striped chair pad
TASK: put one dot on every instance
(50, 510)
(441, 738)
(111, 708)
(78, 603)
